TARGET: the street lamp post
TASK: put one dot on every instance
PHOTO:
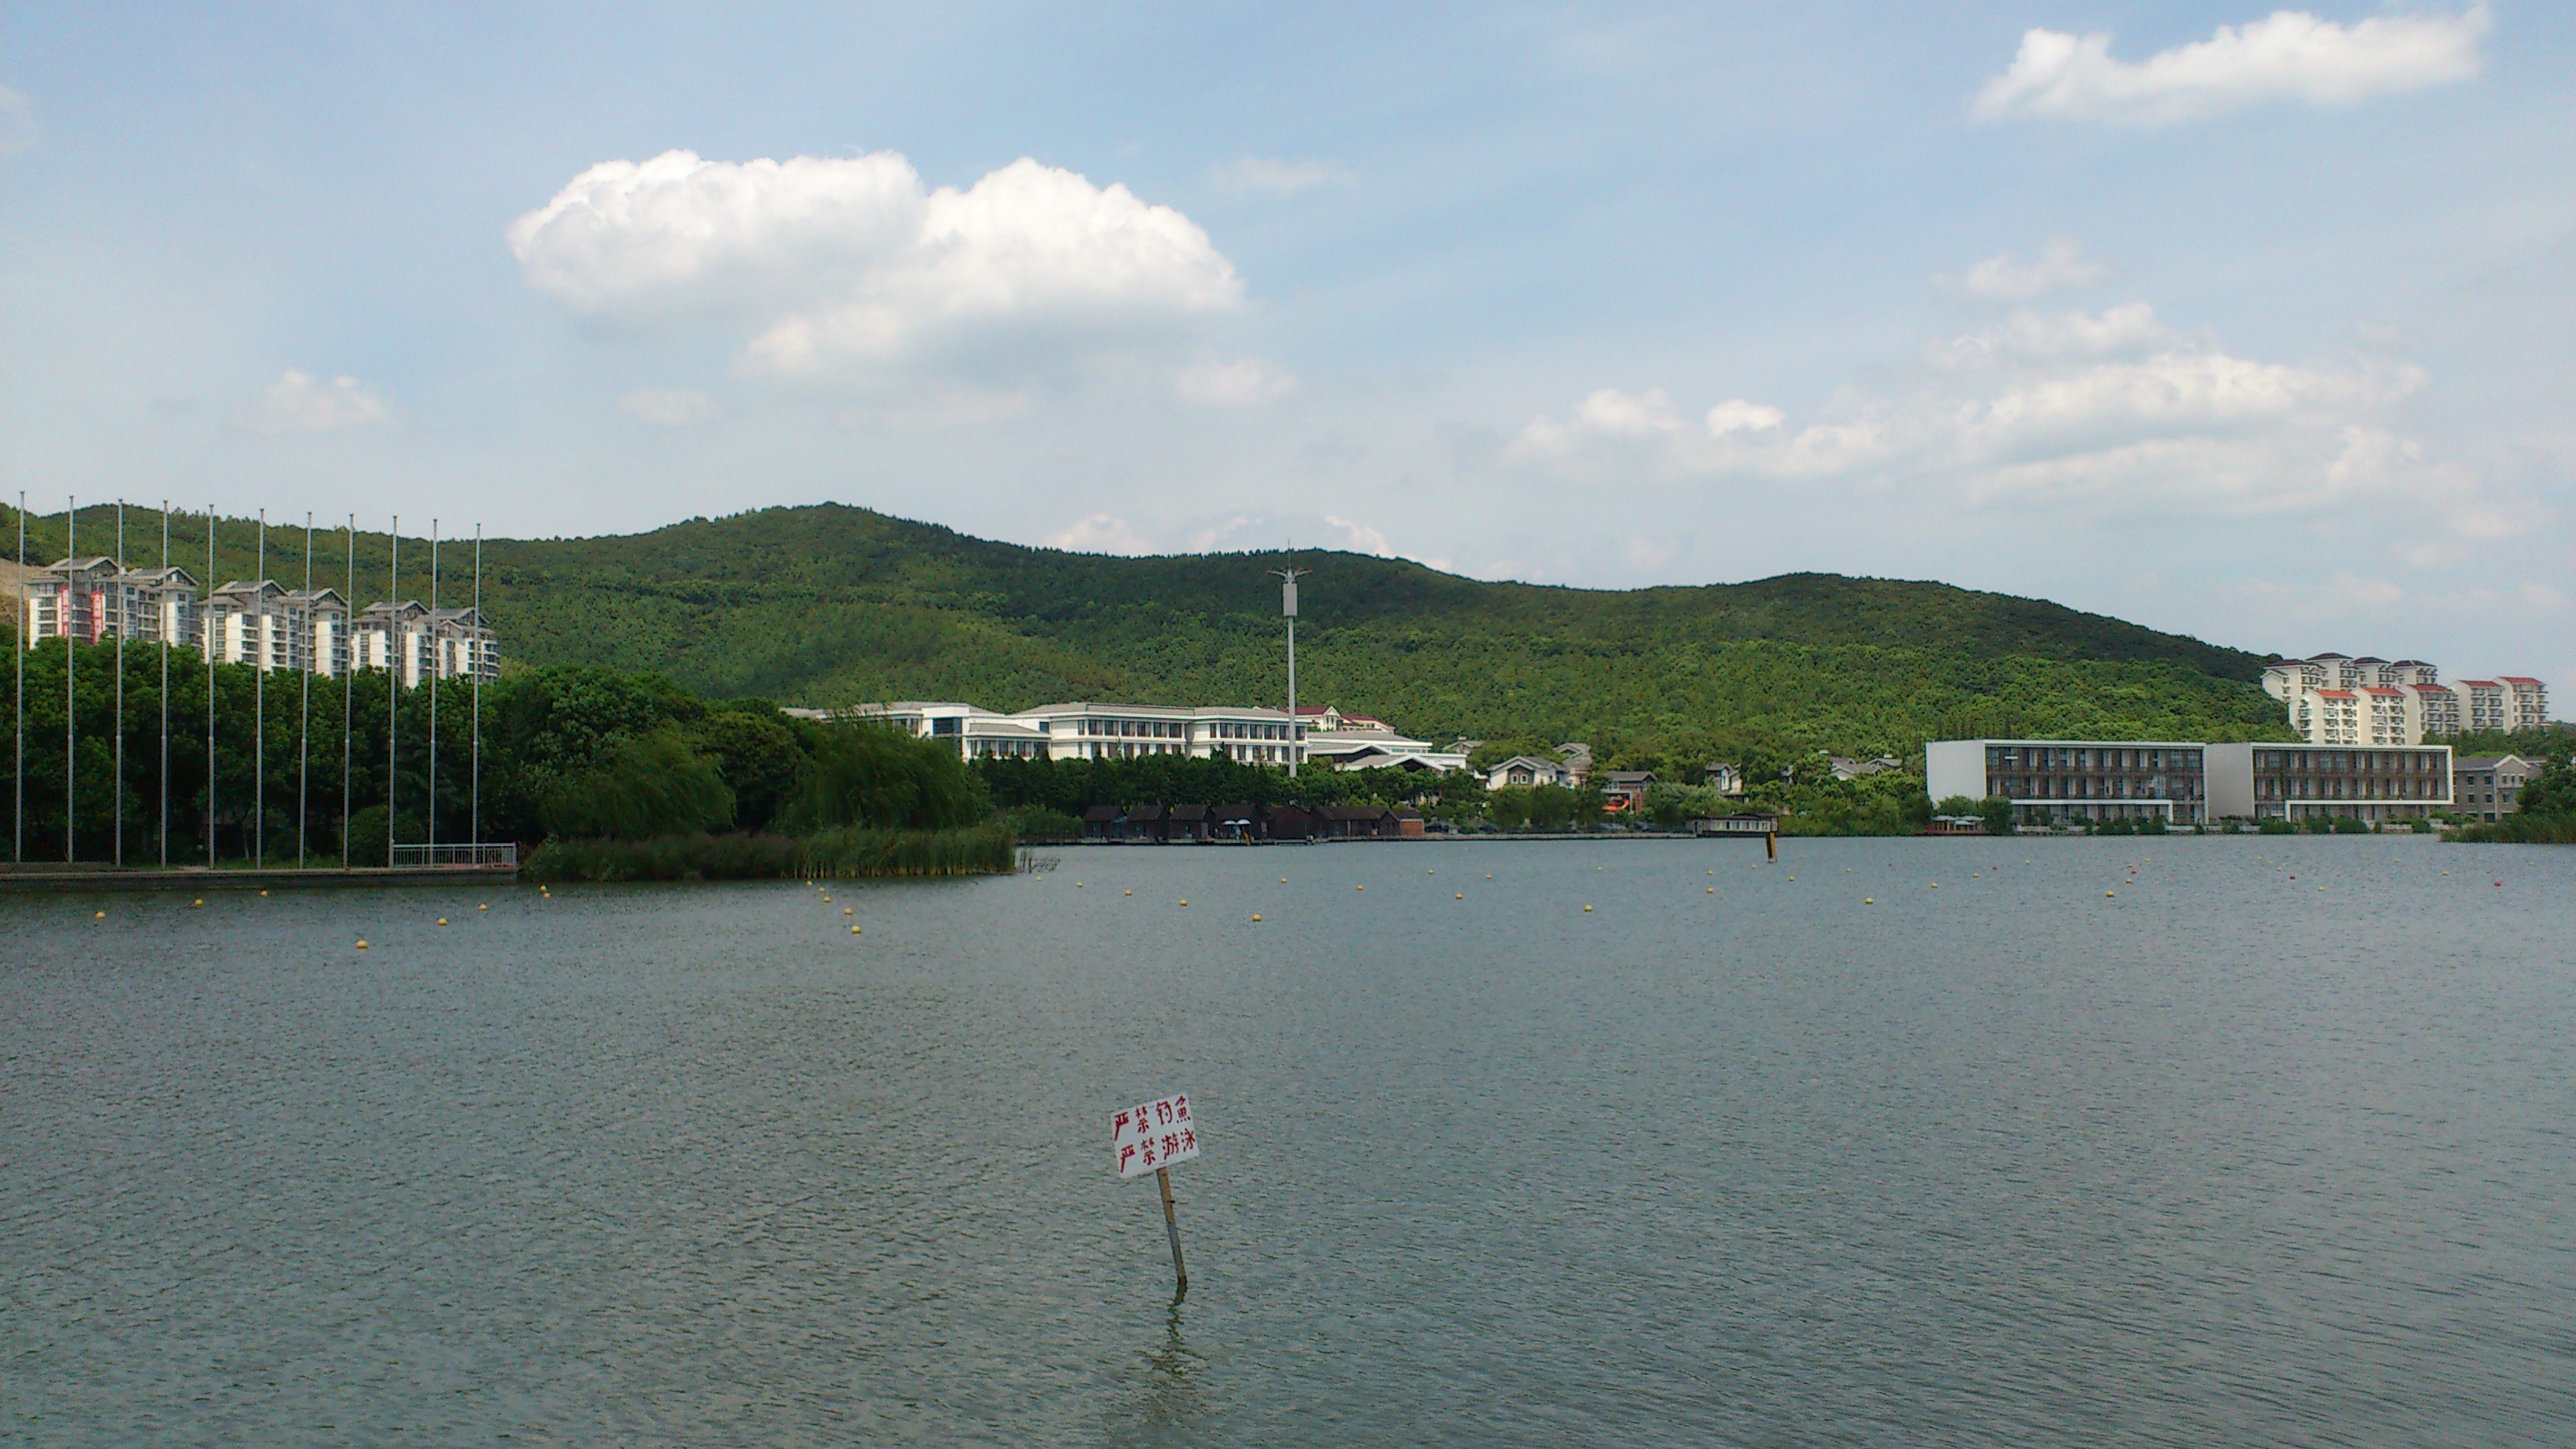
(1288, 578)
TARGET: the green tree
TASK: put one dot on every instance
(648, 786)
(1998, 812)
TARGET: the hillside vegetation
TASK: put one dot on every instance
(829, 605)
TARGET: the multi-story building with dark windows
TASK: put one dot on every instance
(2187, 782)
(2052, 781)
(2292, 782)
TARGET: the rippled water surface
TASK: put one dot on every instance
(2042, 1155)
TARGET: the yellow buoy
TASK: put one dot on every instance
(362, 945)
(854, 930)
(845, 910)
(1077, 885)
(1460, 896)
(101, 916)
(1283, 880)
(1431, 872)
(1256, 915)
(1360, 888)
(263, 895)
(1793, 877)
(442, 920)
(1489, 875)
(1587, 908)
(201, 900)
(1185, 903)
(1936, 885)
(482, 908)
(1868, 900)
(2110, 893)
(1712, 890)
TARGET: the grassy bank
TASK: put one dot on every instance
(849, 853)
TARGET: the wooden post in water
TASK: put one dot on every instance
(1172, 1229)
(1771, 843)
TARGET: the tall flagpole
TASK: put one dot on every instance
(434, 663)
(475, 640)
(18, 753)
(304, 723)
(124, 616)
(166, 621)
(259, 707)
(348, 684)
(206, 630)
(393, 682)
(71, 700)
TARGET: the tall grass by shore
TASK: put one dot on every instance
(848, 853)
(2522, 830)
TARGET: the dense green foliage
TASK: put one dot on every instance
(650, 785)
(566, 752)
(829, 605)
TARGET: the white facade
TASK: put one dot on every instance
(1089, 731)
(1524, 771)
(98, 601)
(2334, 699)
(269, 627)
(424, 644)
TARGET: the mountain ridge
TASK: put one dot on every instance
(827, 604)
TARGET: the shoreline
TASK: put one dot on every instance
(20, 879)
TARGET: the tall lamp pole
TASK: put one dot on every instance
(1288, 578)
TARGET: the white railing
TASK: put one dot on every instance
(417, 857)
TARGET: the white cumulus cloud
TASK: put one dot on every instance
(2011, 277)
(1245, 383)
(670, 407)
(2289, 55)
(841, 265)
(299, 402)
(2105, 412)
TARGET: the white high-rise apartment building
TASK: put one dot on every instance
(99, 601)
(259, 623)
(425, 643)
(268, 626)
(2335, 699)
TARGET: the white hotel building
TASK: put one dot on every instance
(1085, 731)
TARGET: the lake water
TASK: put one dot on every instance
(1733, 1158)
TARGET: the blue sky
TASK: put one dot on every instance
(2247, 323)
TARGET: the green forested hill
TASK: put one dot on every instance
(829, 604)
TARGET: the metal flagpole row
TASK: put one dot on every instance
(304, 721)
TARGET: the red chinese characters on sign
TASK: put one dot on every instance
(1153, 1134)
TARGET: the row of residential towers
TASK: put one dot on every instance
(2336, 699)
(262, 623)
